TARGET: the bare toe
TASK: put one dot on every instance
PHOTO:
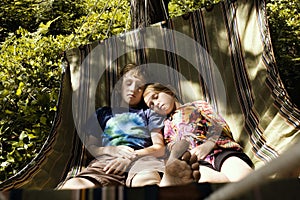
(196, 175)
(178, 149)
(193, 159)
(195, 167)
(186, 157)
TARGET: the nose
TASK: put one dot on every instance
(156, 102)
(133, 87)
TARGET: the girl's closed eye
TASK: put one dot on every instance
(155, 96)
(152, 99)
(151, 104)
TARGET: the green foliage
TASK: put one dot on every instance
(180, 7)
(30, 59)
(284, 22)
(28, 14)
(107, 18)
(30, 75)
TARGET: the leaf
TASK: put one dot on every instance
(19, 90)
(43, 120)
(31, 136)
(22, 135)
(10, 159)
(4, 164)
(9, 112)
(43, 28)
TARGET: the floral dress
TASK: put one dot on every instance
(196, 122)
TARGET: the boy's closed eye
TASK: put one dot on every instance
(128, 82)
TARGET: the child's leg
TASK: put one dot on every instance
(94, 176)
(235, 168)
(145, 171)
(145, 178)
(77, 183)
(212, 176)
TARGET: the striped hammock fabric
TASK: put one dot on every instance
(222, 55)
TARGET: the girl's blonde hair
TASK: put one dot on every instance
(157, 88)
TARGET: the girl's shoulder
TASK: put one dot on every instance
(199, 103)
(202, 105)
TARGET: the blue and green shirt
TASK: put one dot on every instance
(128, 126)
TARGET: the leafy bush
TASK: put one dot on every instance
(284, 21)
(30, 62)
(29, 14)
(30, 71)
(30, 75)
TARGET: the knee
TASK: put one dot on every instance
(77, 183)
(145, 178)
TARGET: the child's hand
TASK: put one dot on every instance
(117, 165)
(120, 151)
(203, 150)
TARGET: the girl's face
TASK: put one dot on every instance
(160, 102)
(132, 89)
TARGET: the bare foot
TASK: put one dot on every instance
(193, 162)
(181, 167)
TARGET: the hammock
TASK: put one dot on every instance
(222, 54)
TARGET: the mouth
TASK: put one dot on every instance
(162, 107)
(131, 95)
(161, 110)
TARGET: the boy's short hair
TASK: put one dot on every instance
(138, 71)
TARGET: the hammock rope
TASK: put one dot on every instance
(146, 14)
(113, 19)
(83, 22)
(165, 9)
(96, 24)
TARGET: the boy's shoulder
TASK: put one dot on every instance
(103, 110)
(109, 111)
(141, 111)
(118, 110)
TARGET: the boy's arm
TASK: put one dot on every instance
(117, 151)
(119, 165)
(157, 149)
(93, 141)
(155, 126)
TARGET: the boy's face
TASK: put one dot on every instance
(161, 102)
(132, 89)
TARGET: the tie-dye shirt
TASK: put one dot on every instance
(197, 122)
(128, 126)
